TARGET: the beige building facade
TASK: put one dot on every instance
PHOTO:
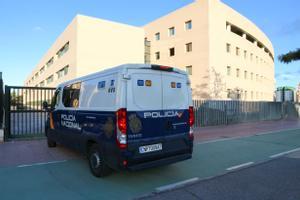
(88, 45)
(226, 55)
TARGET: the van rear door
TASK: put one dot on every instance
(157, 104)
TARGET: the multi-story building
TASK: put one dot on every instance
(88, 45)
(226, 55)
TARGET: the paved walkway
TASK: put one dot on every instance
(35, 151)
(243, 129)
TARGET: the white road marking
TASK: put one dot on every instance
(284, 153)
(176, 185)
(42, 163)
(239, 166)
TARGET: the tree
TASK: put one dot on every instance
(290, 56)
(212, 86)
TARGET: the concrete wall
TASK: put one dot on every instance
(209, 57)
(220, 34)
(103, 44)
(198, 35)
(68, 35)
(94, 45)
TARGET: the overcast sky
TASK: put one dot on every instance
(28, 28)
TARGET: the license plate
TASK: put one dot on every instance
(150, 148)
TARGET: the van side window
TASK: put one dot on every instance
(71, 95)
(56, 98)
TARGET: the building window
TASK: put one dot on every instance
(228, 47)
(252, 76)
(189, 69)
(245, 74)
(188, 25)
(252, 95)
(237, 73)
(63, 72)
(63, 50)
(245, 54)
(256, 77)
(157, 36)
(157, 55)
(42, 84)
(49, 79)
(228, 93)
(228, 70)
(237, 51)
(171, 31)
(172, 51)
(50, 62)
(189, 47)
(42, 70)
(246, 95)
(36, 75)
(238, 94)
(251, 56)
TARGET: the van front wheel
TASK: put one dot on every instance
(96, 162)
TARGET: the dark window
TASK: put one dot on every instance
(172, 51)
(71, 95)
(188, 47)
(157, 36)
(157, 55)
(188, 25)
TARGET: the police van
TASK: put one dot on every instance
(129, 117)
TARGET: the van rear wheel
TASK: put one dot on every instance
(51, 143)
(96, 162)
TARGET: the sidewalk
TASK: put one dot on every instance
(203, 134)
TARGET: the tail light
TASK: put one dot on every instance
(191, 116)
(191, 122)
(122, 128)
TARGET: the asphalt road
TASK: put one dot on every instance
(71, 179)
(274, 180)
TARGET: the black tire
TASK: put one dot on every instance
(96, 162)
(51, 143)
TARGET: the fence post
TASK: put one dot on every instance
(7, 112)
(1, 101)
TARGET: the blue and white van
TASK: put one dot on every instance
(129, 117)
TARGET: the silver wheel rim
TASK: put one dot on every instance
(95, 160)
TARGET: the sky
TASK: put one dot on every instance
(28, 28)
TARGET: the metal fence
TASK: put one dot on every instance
(24, 114)
(211, 113)
(1, 101)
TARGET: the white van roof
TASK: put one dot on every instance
(122, 68)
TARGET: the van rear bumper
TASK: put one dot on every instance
(160, 162)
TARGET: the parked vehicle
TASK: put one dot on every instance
(129, 117)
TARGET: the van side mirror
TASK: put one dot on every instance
(45, 106)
